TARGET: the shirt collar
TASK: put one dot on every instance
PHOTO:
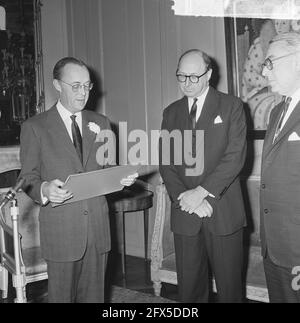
(65, 113)
(295, 97)
(200, 98)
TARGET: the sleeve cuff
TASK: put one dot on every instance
(212, 201)
(207, 192)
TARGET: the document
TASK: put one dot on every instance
(100, 182)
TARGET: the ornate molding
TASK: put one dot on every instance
(156, 245)
(40, 90)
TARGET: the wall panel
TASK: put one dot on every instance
(133, 47)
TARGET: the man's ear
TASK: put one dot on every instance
(209, 75)
(57, 85)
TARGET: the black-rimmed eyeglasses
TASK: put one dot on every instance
(77, 86)
(268, 63)
(193, 78)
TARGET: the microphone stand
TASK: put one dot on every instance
(14, 266)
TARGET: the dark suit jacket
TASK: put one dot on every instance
(224, 155)
(280, 191)
(47, 153)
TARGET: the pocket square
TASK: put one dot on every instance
(294, 137)
(218, 120)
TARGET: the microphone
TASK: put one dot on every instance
(12, 192)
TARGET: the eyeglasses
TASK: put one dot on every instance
(77, 86)
(268, 63)
(193, 78)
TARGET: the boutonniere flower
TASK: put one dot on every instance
(94, 127)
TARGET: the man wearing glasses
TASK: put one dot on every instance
(280, 172)
(75, 237)
(207, 211)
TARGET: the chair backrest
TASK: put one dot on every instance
(162, 239)
(29, 266)
(28, 210)
(167, 236)
(28, 220)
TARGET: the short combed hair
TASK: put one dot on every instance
(290, 41)
(206, 58)
(57, 70)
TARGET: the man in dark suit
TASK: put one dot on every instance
(207, 212)
(280, 172)
(75, 237)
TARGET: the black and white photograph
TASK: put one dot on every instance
(149, 154)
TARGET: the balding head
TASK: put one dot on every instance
(194, 72)
(282, 66)
(195, 55)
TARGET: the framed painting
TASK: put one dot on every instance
(247, 42)
(21, 66)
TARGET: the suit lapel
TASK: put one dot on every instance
(184, 113)
(209, 110)
(292, 121)
(88, 137)
(58, 130)
(268, 142)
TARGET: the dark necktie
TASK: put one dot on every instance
(76, 135)
(193, 113)
(285, 107)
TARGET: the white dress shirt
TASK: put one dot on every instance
(295, 99)
(65, 116)
(199, 103)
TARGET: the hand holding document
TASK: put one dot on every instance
(100, 182)
(129, 180)
(52, 191)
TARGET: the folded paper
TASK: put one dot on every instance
(100, 182)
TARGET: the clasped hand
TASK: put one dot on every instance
(204, 210)
(193, 201)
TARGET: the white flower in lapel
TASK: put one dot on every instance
(94, 127)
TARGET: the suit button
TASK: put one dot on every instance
(85, 212)
(263, 186)
(266, 211)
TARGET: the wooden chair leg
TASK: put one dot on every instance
(123, 240)
(146, 224)
(157, 288)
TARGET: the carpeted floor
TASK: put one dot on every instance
(124, 295)
(136, 288)
(116, 295)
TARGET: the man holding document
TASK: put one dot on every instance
(75, 237)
